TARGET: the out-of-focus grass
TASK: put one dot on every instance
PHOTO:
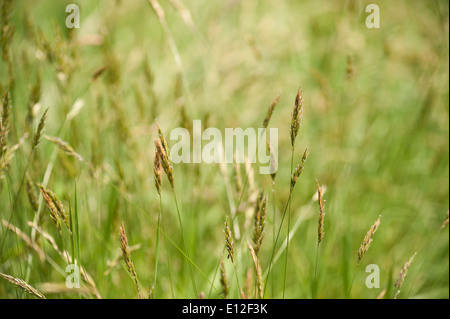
(375, 120)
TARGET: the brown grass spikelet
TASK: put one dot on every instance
(37, 136)
(26, 239)
(229, 244)
(127, 258)
(157, 171)
(51, 207)
(163, 141)
(270, 111)
(223, 280)
(55, 207)
(298, 171)
(321, 231)
(22, 284)
(403, 272)
(368, 240)
(297, 114)
(166, 163)
(259, 221)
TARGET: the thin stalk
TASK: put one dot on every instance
(289, 225)
(168, 256)
(315, 272)
(276, 241)
(157, 244)
(184, 243)
(353, 279)
(237, 278)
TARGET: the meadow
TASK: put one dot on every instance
(363, 149)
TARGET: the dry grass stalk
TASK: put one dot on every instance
(229, 240)
(183, 12)
(37, 136)
(223, 280)
(27, 240)
(382, 294)
(250, 173)
(259, 221)
(66, 256)
(258, 270)
(403, 272)
(298, 171)
(61, 288)
(297, 114)
(249, 283)
(47, 236)
(65, 147)
(88, 279)
(321, 231)
(270, 111)
(127, 258)
(22, 284)
(55, 207)
(368, 240)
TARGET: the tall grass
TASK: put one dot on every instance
(77, 118)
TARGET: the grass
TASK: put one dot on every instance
(78, 118)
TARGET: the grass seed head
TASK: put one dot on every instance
(22, 284)
(403, 272)
(166, 163)
(229, 240)
(157, 171)
(297, 114)
(368, 240)
(37, 136)
(127, 258)
(298, 171)
(270, 111)
(259, 221)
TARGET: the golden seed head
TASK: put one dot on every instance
(403, 272)
(321, 231)
(368, 240)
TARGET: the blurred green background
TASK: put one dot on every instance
(376, 108)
